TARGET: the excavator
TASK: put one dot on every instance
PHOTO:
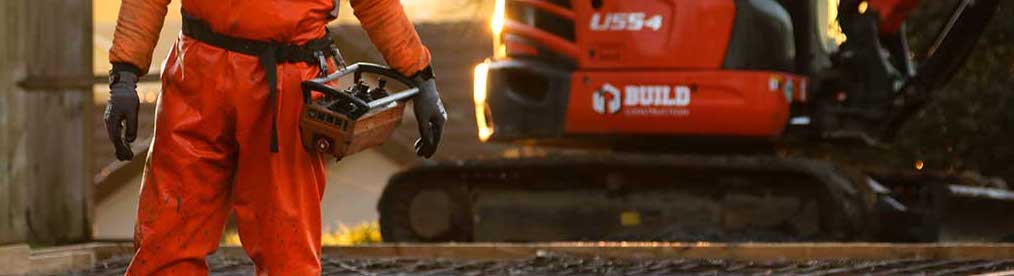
(669, 120)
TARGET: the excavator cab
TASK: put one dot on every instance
(608, 70)
(736, 70)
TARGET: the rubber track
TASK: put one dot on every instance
(517, 174)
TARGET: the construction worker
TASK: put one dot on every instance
(226, 130)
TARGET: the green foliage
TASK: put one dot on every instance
(970, 124)
(364, 233)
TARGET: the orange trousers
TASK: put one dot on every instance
(211, 156)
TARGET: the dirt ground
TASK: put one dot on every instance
(554, 264)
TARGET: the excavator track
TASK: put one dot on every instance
(595, 197)
(625, 197)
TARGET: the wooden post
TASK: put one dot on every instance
(12, 164)
(56, 105)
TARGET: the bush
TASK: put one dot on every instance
(364, 233)
(970, 124)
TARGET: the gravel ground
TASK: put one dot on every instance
(552, 264)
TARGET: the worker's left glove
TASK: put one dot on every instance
(430, 113)
(121, 111)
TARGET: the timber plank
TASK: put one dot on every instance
(14, 258)
(728, 251)
(77, 257)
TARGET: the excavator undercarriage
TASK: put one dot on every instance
(684, 198)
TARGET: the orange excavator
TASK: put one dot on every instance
(671, 113)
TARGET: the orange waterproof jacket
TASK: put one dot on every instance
(284, 21)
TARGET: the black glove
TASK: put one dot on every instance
(430, 113)
(122, 106)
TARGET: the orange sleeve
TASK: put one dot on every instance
(137, 30)
(393, 34)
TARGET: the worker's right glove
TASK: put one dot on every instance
(430, 113)
(121, 111)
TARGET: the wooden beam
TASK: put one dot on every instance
(14, 259)
(116, 175)
(652, 250)
(62, 259)
(999, 273)
(74, 257)
(65, 258)
(104, 79)
(757, 252)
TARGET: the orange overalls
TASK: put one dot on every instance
(211, 155)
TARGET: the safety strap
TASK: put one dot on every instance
(270, 54)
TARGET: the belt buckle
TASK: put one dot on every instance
(339, 60)
(322, 62)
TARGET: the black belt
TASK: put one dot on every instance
(270, 54)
